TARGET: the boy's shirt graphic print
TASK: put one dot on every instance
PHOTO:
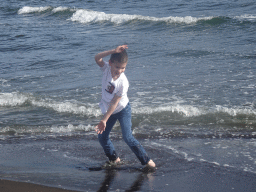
(110, 88)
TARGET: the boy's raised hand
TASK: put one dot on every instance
(120, 48)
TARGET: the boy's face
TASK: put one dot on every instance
(117, 69)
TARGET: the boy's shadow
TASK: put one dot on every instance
(109, 178)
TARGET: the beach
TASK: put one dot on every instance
(12, 186)
(210, 180)
(45, 164)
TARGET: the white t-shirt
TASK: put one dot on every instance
(110, 88)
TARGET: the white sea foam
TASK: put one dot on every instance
(92, 109)
(54, 129)
(27, 9)
(4, 83)
(70, 128)
(193, 111)
(68, 107)
(186, 110)
(87, 16)
(235, 111)
(12, 99)
(59, 9)
(18, 99)
(246, 16)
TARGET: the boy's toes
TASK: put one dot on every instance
(118, 160)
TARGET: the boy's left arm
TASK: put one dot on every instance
(99, 57)
(113, 104)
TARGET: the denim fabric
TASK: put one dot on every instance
(124, 117)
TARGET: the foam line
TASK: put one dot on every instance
(27, 9)
(88, 16)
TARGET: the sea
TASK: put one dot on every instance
(192, 75)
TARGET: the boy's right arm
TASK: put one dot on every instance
(99, 57)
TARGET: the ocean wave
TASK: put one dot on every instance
(168, 114)
(193, 111)
(177, 114)
(60, 9)
(60, 130)
(246, 17)
(12, 99)
(28, 9)
(88, 16)
(18, 99)
(4, 83)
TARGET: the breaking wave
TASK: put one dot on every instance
(18, 99)
(87, 16)
(170, 113)
(90, 16)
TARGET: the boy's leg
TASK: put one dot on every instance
(126, 124)
(105, 141)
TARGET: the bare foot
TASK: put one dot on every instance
(151, 163)
(117, 160)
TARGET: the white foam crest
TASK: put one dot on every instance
(54, 129)
(18, 99)
(186, 110)
(12, 99)
(69, 129)
(192, 111)
(4, 83)
(28, 9)
(246, 16)
(68, 107)
(88, 16)
(235, 111)
(59, 9)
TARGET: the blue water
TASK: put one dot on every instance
(191, 70)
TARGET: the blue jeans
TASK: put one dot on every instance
(124, 117)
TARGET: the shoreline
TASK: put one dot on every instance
(73, 165)
(18, 186)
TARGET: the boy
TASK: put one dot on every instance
(115, 105)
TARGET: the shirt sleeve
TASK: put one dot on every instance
(104, 66)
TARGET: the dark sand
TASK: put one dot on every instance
(14, 186)
(194, 179)
(72, 164)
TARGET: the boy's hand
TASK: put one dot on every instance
(100, 127)
(120, 48)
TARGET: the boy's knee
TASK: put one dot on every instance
(128, 139)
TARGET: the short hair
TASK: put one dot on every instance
(119, 57)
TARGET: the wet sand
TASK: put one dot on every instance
(14, 186)
(62, 165)
(194, 179)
